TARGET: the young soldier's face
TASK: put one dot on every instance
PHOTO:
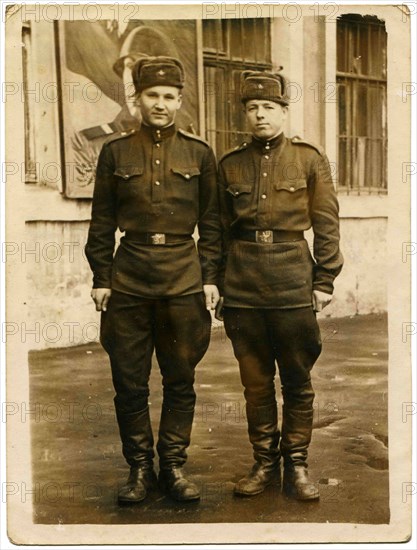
(159, 105)
(265, 118)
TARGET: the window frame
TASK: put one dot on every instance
(352, 81)
(30, 164)
(226, 104)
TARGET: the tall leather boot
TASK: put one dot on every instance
(297, 427)
(174, 439)
(137, 446)
(264, 436)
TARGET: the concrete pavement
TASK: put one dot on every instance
(76, 452)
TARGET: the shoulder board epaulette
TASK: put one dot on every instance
(119, 135)
(236, 149)
(299, 141)
(192, 136)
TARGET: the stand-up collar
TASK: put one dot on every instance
(268, 144)
(158, 134)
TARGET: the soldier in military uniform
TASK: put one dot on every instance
(155, 184)
(272, 189)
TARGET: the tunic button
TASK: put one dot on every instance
(126, 176)
(292, 189)
(263, 196)
(157, 183)
(157, 161)
(236, 192)
(267, 157)
(267, 147)
(187, 176)
(158, 145)
(264, 174)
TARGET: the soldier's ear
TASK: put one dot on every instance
(179, 101)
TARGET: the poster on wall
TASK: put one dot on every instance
(94, 67)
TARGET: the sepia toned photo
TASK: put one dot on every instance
(207, 258)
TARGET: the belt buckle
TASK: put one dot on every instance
(158, 238)
(266, 236)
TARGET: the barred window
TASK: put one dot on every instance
(362, 98)
(230, 47)
(30, 160)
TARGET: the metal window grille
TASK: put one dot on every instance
(230, 47)
(362, 98)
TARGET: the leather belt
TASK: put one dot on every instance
(156, 238)
(266, 236)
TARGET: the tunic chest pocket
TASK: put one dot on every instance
(239, 189)
(127, 172)
(291, 198)
(186, 173)
(291, 186)
(242, 197)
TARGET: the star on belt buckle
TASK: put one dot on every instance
(158, 238)
(266, 236)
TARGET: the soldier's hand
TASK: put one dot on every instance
(212, 296)
(320, 300)
(101, 297)
(219, 309)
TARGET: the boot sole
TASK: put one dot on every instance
(150, 486)
(243, 494)
(164, 488)
(126, 501)
(290, 493)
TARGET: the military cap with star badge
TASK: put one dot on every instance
(264, 85)
(157, 71)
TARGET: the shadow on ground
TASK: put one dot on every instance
(76, 454)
